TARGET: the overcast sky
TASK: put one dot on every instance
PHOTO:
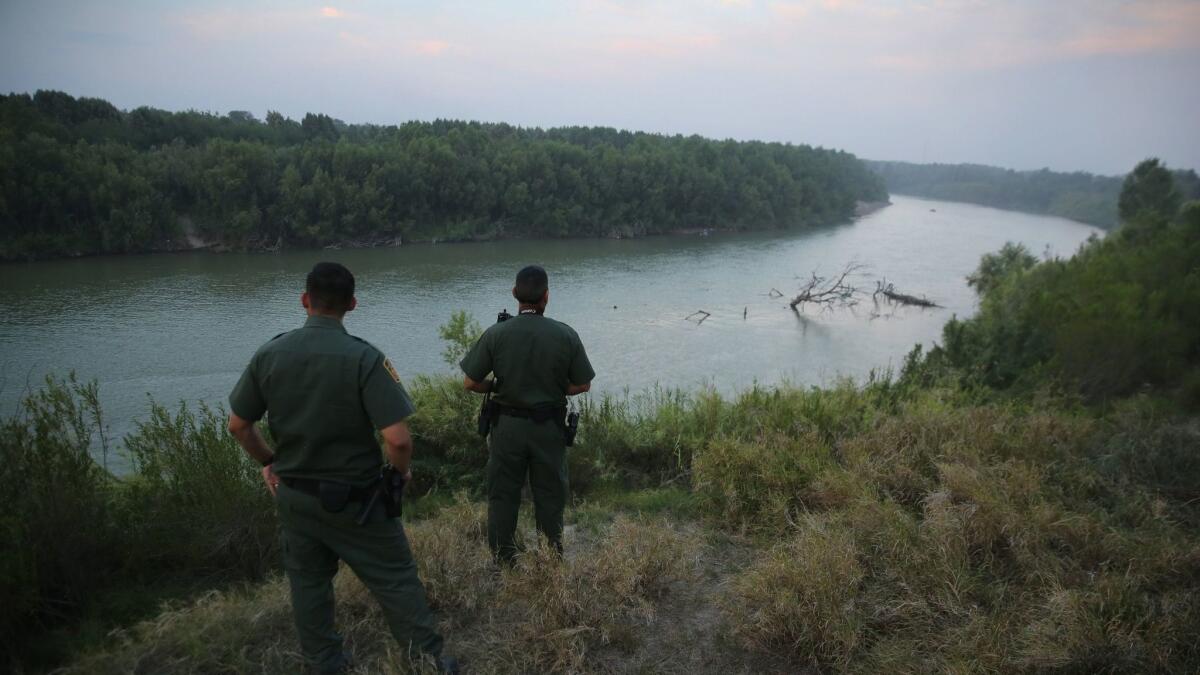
(1095, 85)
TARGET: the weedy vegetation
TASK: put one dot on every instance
(1001, 505)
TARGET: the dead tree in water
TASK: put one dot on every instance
(888, 290)
(828, 293)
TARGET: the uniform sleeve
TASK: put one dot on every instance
(384, 398)
(246, 401)
(478, 362)
(580, 371)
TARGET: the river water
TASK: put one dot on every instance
(180, 327)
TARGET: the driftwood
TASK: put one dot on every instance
(828, 293)
(837, 292)
(775, 293)
(699, 321)
(888, 290)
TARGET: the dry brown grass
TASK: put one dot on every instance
(556, 613)
(940, 539)
(454, 561)
(801, 597)
(542, 615)
(976, 540)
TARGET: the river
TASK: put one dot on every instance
(180, 327)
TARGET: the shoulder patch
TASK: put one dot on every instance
(387, 364)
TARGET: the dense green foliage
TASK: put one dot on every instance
(81, 542)
(1118, 317)
(1079, 196)
(78, 176)
(1150, 191)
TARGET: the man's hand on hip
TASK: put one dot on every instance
(269, 477)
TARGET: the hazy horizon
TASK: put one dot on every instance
(1072, 86)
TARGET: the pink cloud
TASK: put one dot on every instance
(972, 35)
(431, 47)
(1143, 27)
(332, 13)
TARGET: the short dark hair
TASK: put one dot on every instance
(330, 287)
(532, 284)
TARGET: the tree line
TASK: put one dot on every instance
(1080, 196)
(1116, 319)
(79, 176)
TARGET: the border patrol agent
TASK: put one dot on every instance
(326, 393)
(538, 362)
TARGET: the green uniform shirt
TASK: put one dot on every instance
(534, 359)
(327, 392)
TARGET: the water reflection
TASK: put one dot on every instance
(181, 327)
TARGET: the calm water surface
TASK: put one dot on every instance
(181, 327)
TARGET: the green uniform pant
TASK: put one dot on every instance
(518, 448)
(313, 542)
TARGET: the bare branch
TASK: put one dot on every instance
(828, 294)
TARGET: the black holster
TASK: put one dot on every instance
(391, 484)
(487, 415)
(388, 489)
(571, 428)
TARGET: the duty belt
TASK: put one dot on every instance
(312, 486)
(538, 415)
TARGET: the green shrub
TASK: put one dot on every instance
(81, 542)
(195, 500)
(459, 334)
(448, 453)
(1116, 318)
(56, 505)
(648, 438)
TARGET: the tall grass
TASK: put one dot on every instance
(57, 515)
(890, 526)
(81, 541)
(979, 539)
(211, 513)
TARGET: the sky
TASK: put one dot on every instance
(1093, 85)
